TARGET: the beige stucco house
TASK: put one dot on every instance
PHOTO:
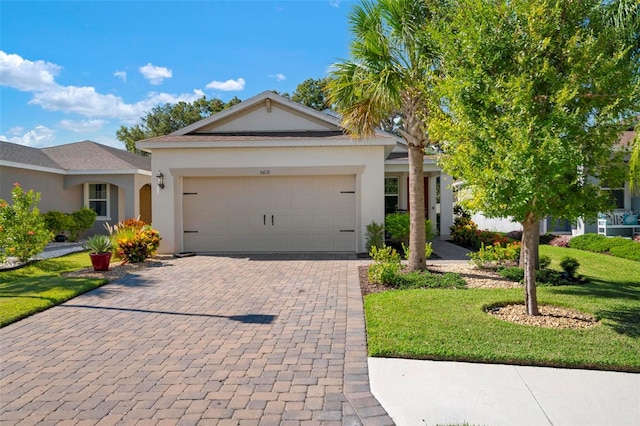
(113, 182)
(271, 175)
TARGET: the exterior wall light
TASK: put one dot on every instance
(160, 178)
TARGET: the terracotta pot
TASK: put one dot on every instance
(100, 261)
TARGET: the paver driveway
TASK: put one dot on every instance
(206, 339)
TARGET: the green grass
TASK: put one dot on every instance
(445, 324)
(40, 285)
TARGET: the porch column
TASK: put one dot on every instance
(446, 205)
(432, 213)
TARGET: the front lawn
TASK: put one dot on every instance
(445, 324)
(40, 285)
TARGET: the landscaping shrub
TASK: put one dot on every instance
(630, 251)
(57, 222)
(466, 233)
(375, 236)
(428, 250)
(560, 241)
(426, 279)
(23, 233)
(398, 226)
(589, 242)
(134, 241)
(515, 235)
(570, 266)
(387, 263)
(81, 221)
(493, 256)
(544, 262)
(546, 238)
(512, 273)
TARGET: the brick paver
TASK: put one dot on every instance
(247, 339)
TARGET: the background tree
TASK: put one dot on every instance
(535, 95)
(167, 118)
(311, 93)
(392, 61)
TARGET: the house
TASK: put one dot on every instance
(113, 182)
(271, 175)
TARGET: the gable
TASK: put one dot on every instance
(267, 116)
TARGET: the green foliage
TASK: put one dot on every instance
(311, 93)
(595, 242)
(425, 279)
(23, 233)
(375, 236)
(570, 266)
(384, 254)
(630, 251)
(493, 256)
(134, 241)
(167, 118)
(544, 261)
(81, 221)
(428, 250)
(382, 273)
(57, 222)
(512, 273)
(99, 243)
(398, 226)
(465, 232)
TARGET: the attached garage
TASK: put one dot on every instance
(267, 175)
(269, 213)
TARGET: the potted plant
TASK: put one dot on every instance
(100, 246)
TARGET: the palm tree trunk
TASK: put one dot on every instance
(417, 240)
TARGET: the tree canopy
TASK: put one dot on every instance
(311, 93)
(534, 96)
(167, 118)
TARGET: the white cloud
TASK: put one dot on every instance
(121, 75)
(334, 3)
(16, 130)
(154, 74)
(39, 137)
(26, 75)
(82, 125)
(278, 77)
(227, 86)
(87, 102)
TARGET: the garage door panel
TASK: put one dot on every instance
(234, 213)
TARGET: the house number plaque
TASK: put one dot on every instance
(265, 172)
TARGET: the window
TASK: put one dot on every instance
(617, 193)
(391, 192)
(97, 198)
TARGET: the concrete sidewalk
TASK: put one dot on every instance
(433, 392)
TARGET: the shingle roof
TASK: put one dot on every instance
(78, 156)
(26, 155)
(252, 136)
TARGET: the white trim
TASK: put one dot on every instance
(257, 143)
(108, 199)
(32, 167)
(110, 172)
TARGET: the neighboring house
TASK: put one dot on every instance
(627, 206)
(271, 175)
(115, 183)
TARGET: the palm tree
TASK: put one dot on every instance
(634, 163)
(392, 61)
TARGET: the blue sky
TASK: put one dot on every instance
(77, 70)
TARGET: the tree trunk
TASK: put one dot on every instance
(417, 239)
(529, 253)
(537, 253)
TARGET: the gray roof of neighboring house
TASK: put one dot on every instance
(26, 155)
(78, 156)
